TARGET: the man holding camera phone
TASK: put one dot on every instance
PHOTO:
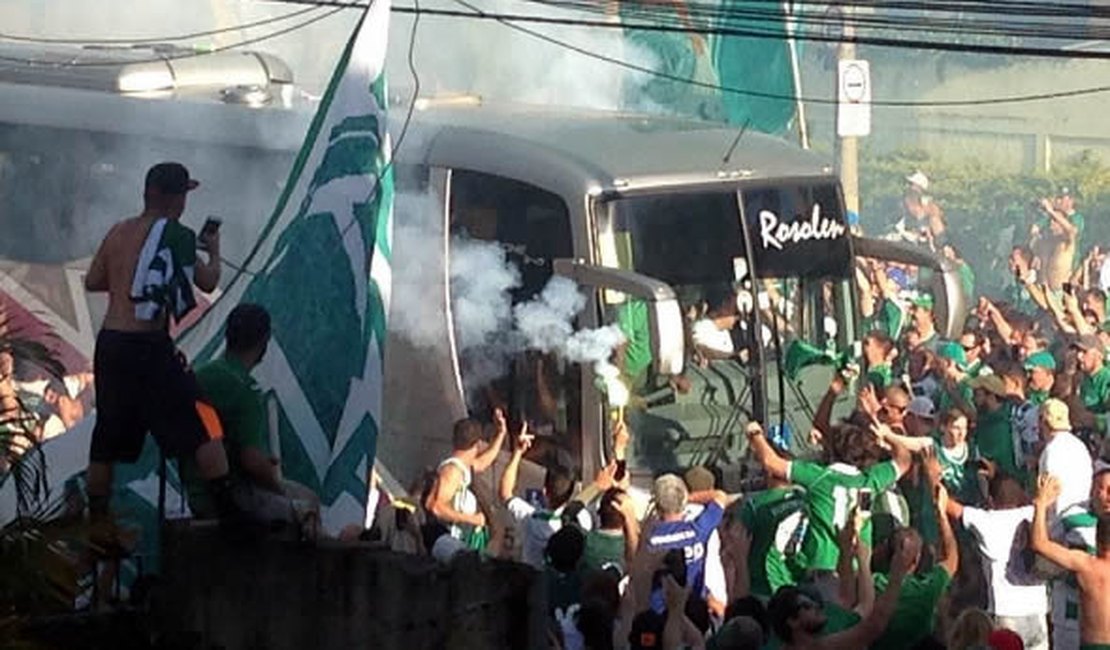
(148, 265)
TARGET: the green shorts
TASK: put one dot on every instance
(1094, 646)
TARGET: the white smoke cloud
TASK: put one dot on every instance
(481, 279)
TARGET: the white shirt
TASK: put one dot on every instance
(1104, 275)
(707, 335)
(539, 526)
(715, 582)
(1067, 458)
(1003, 535)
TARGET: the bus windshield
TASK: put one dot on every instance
(741, 318)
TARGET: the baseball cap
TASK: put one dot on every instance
(1087, 342)
(953, 352)
(919, 179)
(922, 407)
(990, 383)
(1040, 360)
(1056, 414)
(170, 178)
(924, 301)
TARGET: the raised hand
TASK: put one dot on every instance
(500, 422)
(524, 440)
(621, 435)
(606, 477)
(1048, 490)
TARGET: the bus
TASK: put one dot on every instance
(719, 255)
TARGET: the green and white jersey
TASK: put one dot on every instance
(831, 494)
(957, 472)
(777, 522)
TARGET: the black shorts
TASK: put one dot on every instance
(141, 386)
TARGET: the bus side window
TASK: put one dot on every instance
(533, 227)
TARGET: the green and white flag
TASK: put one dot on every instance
(321, 268)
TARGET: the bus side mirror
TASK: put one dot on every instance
(664, 314)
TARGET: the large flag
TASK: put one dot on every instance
(321, 267)
(760, 63)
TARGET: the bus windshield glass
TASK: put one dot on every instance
(738, 316)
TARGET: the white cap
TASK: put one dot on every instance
(919, 179)
(922, 407)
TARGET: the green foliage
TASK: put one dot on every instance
(987, 209)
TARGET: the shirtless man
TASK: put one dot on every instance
(141, 383)
(1091, 571)
(1057, 248)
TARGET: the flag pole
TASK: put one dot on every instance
(792, 45)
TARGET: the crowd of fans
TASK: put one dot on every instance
(964, 502)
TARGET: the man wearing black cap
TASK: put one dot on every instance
(147, 265)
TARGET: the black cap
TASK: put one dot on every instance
(170, 178)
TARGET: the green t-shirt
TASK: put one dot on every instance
(1094, 390)
(229, 388)
(1080, 224)
(974, 370)
(775, 518)
(603, 547)
(880, 377)
(831, 493)
(914, 615)
(946, 402)
(994, 439)
(889, 318)
(1020, 299)
(919, 497)
(633, 322)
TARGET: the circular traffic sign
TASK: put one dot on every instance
(854, 82)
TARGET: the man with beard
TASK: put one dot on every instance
(798, 618)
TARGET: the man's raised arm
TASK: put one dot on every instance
(487, 457)
(772, 463)
(1048, 490)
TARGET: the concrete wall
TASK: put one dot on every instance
(280, 595)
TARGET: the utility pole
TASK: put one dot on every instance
(848, 149)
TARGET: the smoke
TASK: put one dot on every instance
(490, 330)
(481, 279)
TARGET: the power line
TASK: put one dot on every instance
(21, 38)
(775, 96)
(1038, 52)
(187, 55)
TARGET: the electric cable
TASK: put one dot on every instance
(21, 38)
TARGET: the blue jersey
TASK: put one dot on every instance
(692, 537)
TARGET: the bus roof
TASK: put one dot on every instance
(608, 150)
(572, 150)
